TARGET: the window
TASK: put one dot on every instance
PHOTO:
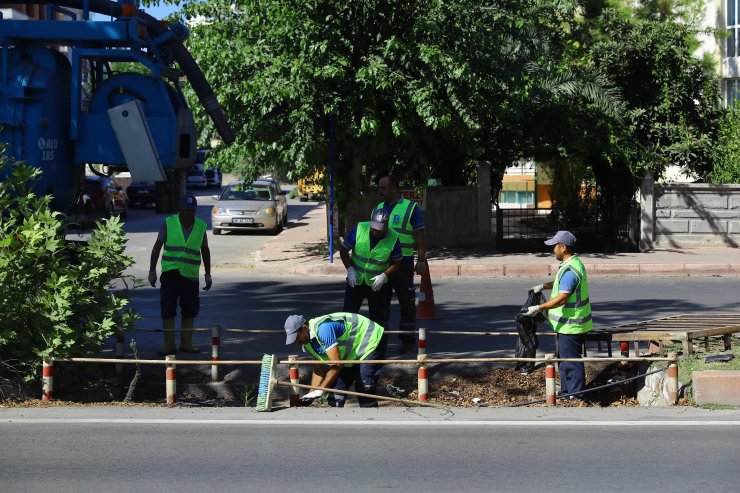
(517, 193)
(732, 27)
(732, 92)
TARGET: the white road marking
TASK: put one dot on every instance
(376, 423)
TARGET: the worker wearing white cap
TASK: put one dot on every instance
(340, 336)
(569, 310)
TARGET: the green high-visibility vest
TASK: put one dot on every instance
(400, 222)
(371, 262)
(575, 316)
(361, 336)
(182, 255)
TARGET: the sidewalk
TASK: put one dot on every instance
(301, 249)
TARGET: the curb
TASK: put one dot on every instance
(542, 270)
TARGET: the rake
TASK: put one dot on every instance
(268, 382)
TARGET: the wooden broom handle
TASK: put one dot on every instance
(408, 402)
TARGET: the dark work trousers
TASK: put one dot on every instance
(173, 288)
(378, 302)
(572, 375)
(403, 284)
(363, 376)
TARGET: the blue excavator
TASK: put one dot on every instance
(65, 103)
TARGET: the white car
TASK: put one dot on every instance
(243, 206)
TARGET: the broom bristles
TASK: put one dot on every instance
(266, 384)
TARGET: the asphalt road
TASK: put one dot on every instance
(533, 450)
(252, 300)
(142, 226)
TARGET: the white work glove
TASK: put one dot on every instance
(378, 281)
(153, 278)
(314, 394)
(422, 267)
(532, 310)
(209, 282)
(351, 277)
(538, 288)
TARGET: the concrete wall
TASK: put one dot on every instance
(454, 216)
(690, 215)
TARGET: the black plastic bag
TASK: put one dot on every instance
(526, 345)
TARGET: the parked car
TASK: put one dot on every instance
(196, 178)
(141, 193)
(101, 195)
(242, 205)
(213, 177)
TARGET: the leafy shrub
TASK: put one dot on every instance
(726, 154)
(56, 297)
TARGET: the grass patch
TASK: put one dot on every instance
(689, 364)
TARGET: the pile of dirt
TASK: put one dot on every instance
(503, 387)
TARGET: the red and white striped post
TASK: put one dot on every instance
(422, 341)
(673, 379)
(295, 397)
(550, 380)
(423, 380)
(120, 340)
(215, 350)
(47, 373)
(170, 380)
(624, 366)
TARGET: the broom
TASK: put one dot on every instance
(267, 384)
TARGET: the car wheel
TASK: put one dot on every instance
(216, 231)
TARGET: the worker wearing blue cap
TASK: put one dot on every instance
(569, 310)
(185, 243)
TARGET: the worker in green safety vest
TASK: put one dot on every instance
(336, 337)
(376, 255)
(405, 218)
(569, 311)
(185, 243)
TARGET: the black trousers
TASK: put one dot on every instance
(173, 288)
(402, 282)
(378, 302)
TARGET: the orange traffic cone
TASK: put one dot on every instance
(425, 307)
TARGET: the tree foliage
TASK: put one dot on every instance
(425, 88)
(55, 297)
(726, 153)
(418, 88)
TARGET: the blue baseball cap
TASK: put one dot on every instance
(189, 203)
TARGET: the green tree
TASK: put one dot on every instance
(56, 297)
(670, 113)
(418, 88)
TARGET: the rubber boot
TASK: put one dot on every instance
(168, 325)
(186, 336)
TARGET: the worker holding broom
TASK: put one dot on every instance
(340, 336)
(569, 310)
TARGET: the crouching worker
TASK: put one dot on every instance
(340, 336)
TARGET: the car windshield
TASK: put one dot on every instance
(242, 192)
